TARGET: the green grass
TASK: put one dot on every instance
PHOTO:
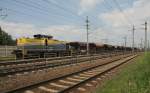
(135, 78)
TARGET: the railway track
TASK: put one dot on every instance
(23, 61)
(11, 68)
(72, 81)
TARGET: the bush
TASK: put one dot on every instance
(6, 39)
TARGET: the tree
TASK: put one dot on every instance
(5, 38)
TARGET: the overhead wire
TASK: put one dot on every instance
(62, 8)
(10, 10)
(65, 9)
(23, 13)
(124, 14)
(28, 14)
(108, 6)
(42, 10)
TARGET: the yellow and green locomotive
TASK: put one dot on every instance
(39, 46)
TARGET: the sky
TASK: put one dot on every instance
(109, 20)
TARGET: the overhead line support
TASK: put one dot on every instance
(133, 31)
(87, 29)
(145, 48)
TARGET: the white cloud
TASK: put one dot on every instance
(63, 32)
(119, 25)
(86, 5)
(18, 29)
(66, 32)
(139, 12)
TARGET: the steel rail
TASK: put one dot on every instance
(76, 73)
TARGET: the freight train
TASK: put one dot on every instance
(44, 45)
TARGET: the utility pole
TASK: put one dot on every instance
(87, 29)
(3, 16)
(133, 30)
(125, 42)
(148, 46)
(145, 37)
(141, 43)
